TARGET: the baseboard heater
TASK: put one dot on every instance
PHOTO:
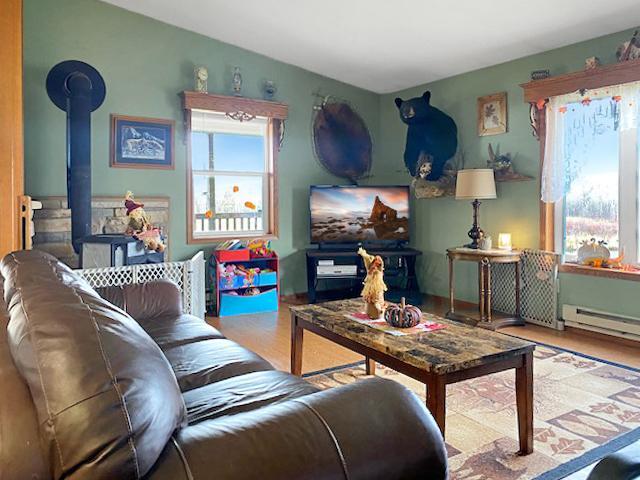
(602, 322)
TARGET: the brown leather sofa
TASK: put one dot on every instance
(87, 392)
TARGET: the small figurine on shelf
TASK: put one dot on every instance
(237, 82)
(591, 63)
(140, 226)
(374, 286)
(201, 75)
(270, 89)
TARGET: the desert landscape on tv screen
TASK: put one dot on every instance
(359, 214)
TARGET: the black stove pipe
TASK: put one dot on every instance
(78, 89)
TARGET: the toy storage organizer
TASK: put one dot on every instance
(231, 298)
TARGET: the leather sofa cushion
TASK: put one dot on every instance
(20, 454)
(157, 306)
(200, 363)
(243, 393)
(106, 398)
(373, 429)
(158, 298)
(171, 331)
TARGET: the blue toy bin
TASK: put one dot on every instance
(266, 301)
(260, 280)
(266, 279)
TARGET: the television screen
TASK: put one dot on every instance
(359, 214)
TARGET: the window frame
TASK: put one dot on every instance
(238, 107)
(537, 94)
(628, 195)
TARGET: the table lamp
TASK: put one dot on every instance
(477, 184)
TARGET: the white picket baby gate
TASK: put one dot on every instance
(188, 275)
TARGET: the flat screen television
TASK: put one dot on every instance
(359, 214)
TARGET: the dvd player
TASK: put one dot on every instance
(336, 270)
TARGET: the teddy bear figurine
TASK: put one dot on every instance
(140, 226)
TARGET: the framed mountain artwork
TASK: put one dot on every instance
(139, 142)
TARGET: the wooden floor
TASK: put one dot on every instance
(268, 334)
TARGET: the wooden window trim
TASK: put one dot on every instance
(537, 94)
(11, 123)
(276, 113)
(599, 272)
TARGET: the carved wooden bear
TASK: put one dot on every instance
(432, 136)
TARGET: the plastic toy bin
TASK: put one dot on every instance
(266, 301)
(240, 255)
(265, 279)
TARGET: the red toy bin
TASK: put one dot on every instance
(240, 255)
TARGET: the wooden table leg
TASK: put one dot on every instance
(370, 366)
(296, 345)
(488, 292)
(451, 286)
(524, 400)
(436, 398)
(481, 291)
(518, 309)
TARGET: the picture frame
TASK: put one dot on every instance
(492, 114)
(142, 142)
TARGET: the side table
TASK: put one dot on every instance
(485, 259)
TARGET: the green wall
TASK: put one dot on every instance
(145, 64)
(442, 223)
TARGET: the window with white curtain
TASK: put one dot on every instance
(590, 170)
(231, 169)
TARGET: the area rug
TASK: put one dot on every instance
(584, 408)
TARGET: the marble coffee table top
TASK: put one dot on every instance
(456, 347)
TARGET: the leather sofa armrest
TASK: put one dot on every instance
(371, 429)
(143, 301)
(619, 466)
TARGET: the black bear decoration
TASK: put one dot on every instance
(432, 137)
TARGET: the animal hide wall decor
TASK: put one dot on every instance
(432, 137)
(341, 140)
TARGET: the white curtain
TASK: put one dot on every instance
(559, 167)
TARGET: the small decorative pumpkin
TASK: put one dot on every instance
(403, 315)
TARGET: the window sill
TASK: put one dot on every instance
(212, 240)
(600, 272)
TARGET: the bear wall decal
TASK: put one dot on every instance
(432, 137)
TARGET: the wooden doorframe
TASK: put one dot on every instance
(11, 126)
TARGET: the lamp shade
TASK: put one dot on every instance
(475, 183)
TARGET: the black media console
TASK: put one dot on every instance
(342, 273)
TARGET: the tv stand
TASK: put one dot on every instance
(400, 273)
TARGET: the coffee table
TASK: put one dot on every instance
(438, 358)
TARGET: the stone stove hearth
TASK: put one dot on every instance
(52, 224)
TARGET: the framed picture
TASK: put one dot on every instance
(492, 114)
(139, 142)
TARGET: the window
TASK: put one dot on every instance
(591, 170)
(233, 144)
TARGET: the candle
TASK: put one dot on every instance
(504, 241)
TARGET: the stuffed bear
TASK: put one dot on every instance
(432, 137)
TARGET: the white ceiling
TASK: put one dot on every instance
(389, 45)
